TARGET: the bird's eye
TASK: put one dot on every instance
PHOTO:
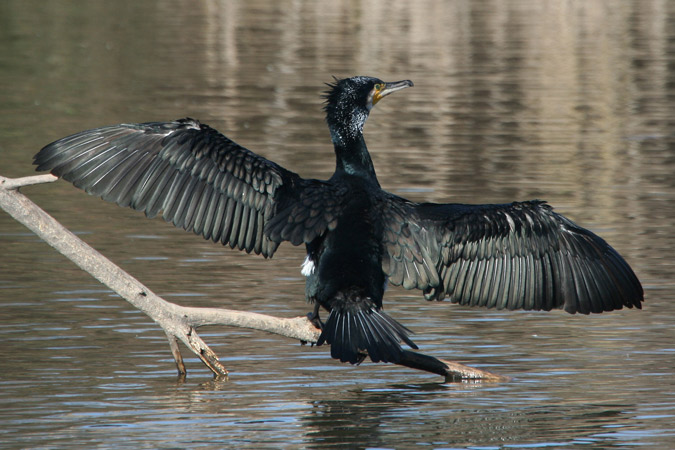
(379, 87)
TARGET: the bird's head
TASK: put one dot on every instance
(349, 101)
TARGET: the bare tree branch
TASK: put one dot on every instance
(16, 183)
(180, 322)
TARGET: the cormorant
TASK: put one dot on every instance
(358, 237)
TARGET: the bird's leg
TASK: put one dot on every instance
(314, 316)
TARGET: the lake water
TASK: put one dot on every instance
(572, 102)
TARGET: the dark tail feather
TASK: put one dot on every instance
(357, 328)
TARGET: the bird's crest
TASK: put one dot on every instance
(330, 94)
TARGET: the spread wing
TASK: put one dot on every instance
(514, 256)
(199, 179)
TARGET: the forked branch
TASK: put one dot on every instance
(180, 322)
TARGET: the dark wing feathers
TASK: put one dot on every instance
(312, 212)
(410, 250)
(512, 256)
(199, 179)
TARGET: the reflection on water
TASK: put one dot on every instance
(567, 101)
(368, 418)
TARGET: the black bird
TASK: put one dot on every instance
(358, 237)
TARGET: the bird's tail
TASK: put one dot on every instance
(357, 328)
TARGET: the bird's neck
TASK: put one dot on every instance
(352, 156)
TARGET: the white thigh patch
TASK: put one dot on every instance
(307, 267)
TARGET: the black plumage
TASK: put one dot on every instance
(358, 237)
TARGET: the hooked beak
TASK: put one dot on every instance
(388, 88)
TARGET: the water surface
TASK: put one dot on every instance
(571, 102)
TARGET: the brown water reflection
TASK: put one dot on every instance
(567, 101)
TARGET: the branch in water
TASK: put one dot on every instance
(180, 322)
